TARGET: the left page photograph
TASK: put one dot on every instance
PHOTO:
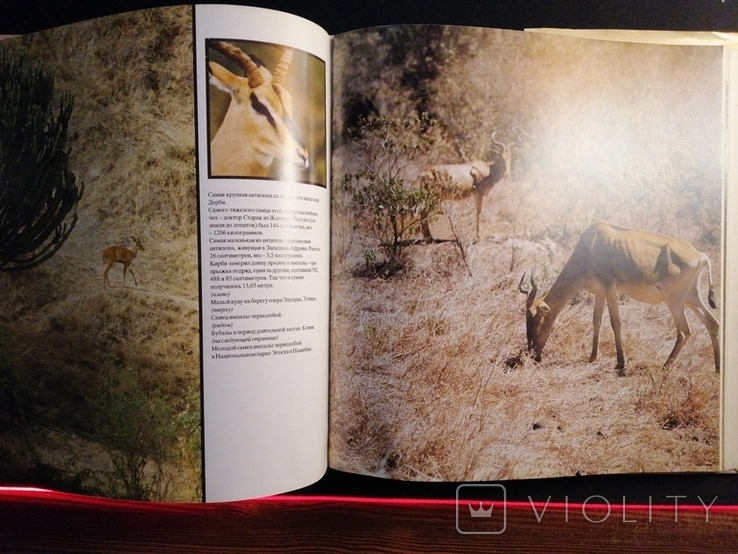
(108, 314)
(99, 329)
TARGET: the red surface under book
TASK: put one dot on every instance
(33, 520)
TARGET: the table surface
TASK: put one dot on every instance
(43, 521)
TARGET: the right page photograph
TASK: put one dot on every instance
(527, 255)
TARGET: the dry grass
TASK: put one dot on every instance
(428, 381)
(89, 368)
(427, 377)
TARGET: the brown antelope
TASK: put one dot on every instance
(646, 266)
(475, 178)
(258, 125)
(121, 255)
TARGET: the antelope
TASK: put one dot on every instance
(121, 255)
(258, 125)
(646, 266)
(474, 178)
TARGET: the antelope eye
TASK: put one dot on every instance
(261, 109)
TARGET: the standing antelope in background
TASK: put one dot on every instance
(121, 255)
(258, 125)
(474, 178)
(646, 266)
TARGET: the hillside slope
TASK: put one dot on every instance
(104, 382)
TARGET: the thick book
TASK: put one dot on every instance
(237, 251)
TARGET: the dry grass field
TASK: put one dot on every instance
(101, 385)
(429, 380)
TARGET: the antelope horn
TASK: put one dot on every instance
(533, 291)
(280, 72)
(519, 139)
(502, 144)
(250, 69)
(495, 141)
(520, 285)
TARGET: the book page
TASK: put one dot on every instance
(729, 423)
(729, 409)
(262, 116)
(676, 38)
(99, 324)
(501, 192)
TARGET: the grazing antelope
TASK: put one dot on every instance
(475, 178)
(121, 255)
(646, 266)
(258, 125)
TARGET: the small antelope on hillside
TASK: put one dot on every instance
(475, 178)
(258, 125)
(121, 255)
(647, 266)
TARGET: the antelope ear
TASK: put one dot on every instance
(224, 79)
(538, 308)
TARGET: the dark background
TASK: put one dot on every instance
(336, 16)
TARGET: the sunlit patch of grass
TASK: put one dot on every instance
(430, 380)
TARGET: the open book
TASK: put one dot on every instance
(374, 252)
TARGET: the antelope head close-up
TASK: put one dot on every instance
(258, 126)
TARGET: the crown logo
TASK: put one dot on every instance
(481, 512)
